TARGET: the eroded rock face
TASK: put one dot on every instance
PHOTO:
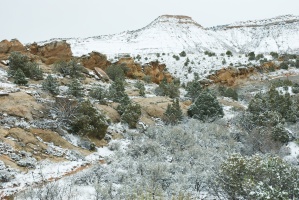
(135, 69)
(52, 52)
(7, 47)
(95, 59)
(230, 75)
(157, 71)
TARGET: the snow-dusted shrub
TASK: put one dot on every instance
(258, 177)
(28, 162)
(71, 68)
(51, 85)
(76, 88)
(165, 162)
(131, 115)
(117, 71)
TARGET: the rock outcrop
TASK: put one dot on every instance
(21, 104)
(52, 52)
(7, 47)
(230, 75)
(135, 69)
(94, 59)
(157, 72)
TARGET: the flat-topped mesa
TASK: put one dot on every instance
(180, 19)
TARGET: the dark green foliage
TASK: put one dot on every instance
(297, 63)
(173, 114)
(295, 88)
(76, 89)
(139, 85)
(124, 102)
(206, 107)
(193, 89)
(168, 89)
(279, 133)
(131, 114)
(269, 102)
(35, 71)
(71, 68)
(158, 55)
(258, 178)
(251, 56)
(117, 90)
(282, 83)
(187, 62)
(274, 55)
(210, 54)
(20, 77)
(284, 65)
(88, 121)
(259, 56)
(22, 62)
(99, 93)
(183, 54)
(117, 71)
(51, 85)
(176, 57)
(138, 57)
(228, 92)
(229, 53)
(223, 61)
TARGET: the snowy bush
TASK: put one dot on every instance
(258, 178)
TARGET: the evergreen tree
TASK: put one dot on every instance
(51, 84)
(173, 114)
(206, 107)
(20, 77)
(99, 93)
(88, 121)
(76, 89)
(168, 89)
(117, 90)
(139, 85)
(131, 115)
(193, 89)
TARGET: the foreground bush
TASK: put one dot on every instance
(258, 178)
(173, 114)
(71, 68)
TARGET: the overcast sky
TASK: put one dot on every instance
(37, 20)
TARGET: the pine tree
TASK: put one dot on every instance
(206, 107)
(51, 84)
(193, 88)
(20, 77)
(173, 114)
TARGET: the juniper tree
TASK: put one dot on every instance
(76, 89)
(20, 77)
(51, 84)
(88, 121)
(173, 114)
(206, 107)
(131, 114)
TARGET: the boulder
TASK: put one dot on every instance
(93, 60)
(112, 114)
(101, 74)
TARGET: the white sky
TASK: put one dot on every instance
(37, 20)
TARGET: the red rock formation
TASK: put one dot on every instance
(95, 59)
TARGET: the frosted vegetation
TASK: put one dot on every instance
(211, 142)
